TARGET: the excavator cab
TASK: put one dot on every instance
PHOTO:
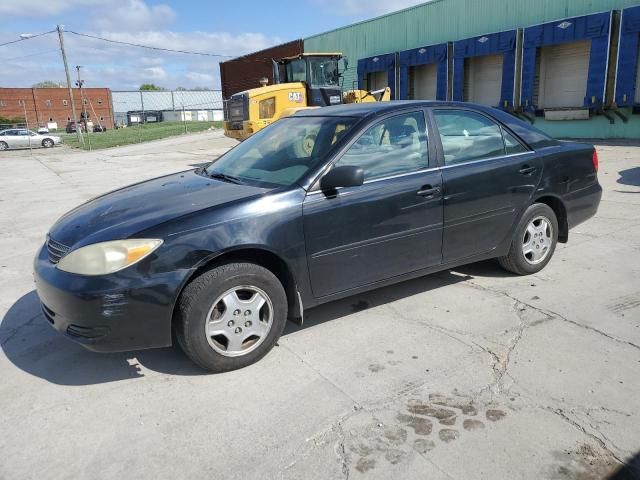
(317, 71)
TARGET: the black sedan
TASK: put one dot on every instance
(318, 206)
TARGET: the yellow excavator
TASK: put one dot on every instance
(308, 80)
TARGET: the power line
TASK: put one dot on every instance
(204, 54)
(27, 56)
(26, 38)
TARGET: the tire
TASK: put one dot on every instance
(4, 146)
(534, 241)
(47, 143)
(218, 300)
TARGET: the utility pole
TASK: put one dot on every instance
(85, 122)
(26, 121)
(60, 29)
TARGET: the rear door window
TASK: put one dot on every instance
(468, 136)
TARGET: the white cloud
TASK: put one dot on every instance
(38, 8)
(132, 15)
(120, 66)
(367, 9)
(154, 73)
(200, 78)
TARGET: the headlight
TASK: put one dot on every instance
(108, 257)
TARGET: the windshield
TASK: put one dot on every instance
(324, 72)
(282, 153)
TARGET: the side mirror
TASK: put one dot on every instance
(345, 176)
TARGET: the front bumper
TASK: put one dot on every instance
(124, 311)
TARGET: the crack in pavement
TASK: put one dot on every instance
(551, 313)
(14, 331)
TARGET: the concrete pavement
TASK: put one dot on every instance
(466, 374)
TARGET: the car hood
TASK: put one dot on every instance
(129, 210)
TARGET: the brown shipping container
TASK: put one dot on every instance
(243, 73)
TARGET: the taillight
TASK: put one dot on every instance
(595, 160)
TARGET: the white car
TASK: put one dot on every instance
(23, 138)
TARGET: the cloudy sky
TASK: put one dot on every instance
(204, 26)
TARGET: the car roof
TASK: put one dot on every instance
(528, 133)
(373, 108)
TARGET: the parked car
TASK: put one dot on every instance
(72, 127)
(99, 128)
(318, 206)
(23, 138)
(43, 130)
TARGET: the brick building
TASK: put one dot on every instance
(52, 105)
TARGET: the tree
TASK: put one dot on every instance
(150, 86)
(49, 84)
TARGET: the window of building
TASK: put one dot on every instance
(394, 146)
(99, 101)
(51, 119)
(21, 103)
(68, 119)
(3, 103)
(48, 103)
(101, 118)
(65, 102)
(84, 101)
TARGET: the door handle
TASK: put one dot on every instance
(428, 191)
(527, 170)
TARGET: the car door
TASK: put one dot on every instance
(390, 225)
(13, 138)
(488, 177)
(23, 137)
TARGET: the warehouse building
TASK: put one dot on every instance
(149, 106)
(51, 107)
(569, 66)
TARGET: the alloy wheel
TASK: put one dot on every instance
(537, 240)
(239, 321)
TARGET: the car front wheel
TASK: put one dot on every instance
(534, 241)
(231, 316)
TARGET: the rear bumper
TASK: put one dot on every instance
(117, 312)
(582, 204)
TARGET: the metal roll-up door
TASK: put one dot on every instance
(483, 79)
(564, 70)
(377, 80)
(423, 82)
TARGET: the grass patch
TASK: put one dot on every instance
(139, 134)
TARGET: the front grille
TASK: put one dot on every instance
(56, 250)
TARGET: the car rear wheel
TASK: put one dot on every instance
(231, 316)
(47, 143)
(534, 241)
(4, 146)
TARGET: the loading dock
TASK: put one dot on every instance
(483, 79)
(484, 69)
(627, 91)
(423, 73)
(564, 69)
(378, 72)
(564, 63)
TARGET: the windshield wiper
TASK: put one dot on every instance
(225, 177)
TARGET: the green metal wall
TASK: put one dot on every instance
(449, 20)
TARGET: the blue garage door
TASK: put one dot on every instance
(411, 62)
(501, 43)
(375, 65)
(628, 74)
(593, 28)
